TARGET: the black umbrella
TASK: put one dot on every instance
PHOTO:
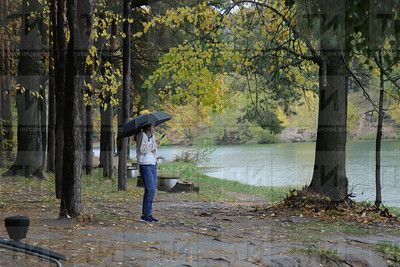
(139, 122)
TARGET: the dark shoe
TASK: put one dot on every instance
(153, 219)
(145, 219)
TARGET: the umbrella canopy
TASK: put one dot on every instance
(139, 122)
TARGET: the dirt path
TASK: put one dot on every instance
(195, 233)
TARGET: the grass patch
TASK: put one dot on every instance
(95, 186)
(391, 251)
(329, 227)
(395, 211)
(322, 253)
(219, 189)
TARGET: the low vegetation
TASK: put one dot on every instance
(391, 251)
(322, 253)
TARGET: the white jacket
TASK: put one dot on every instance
(146, 149)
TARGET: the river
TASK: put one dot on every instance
(291, 165)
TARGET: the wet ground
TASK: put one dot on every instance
(195, 233)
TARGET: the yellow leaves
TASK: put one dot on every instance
(88, 85)
(89, 60)
(93, 51)
(200, 16)
(186, 116)
(282, 117)
(137, 35)
(148, 25)
(145, 111)
(305, 110)
(19, 88)
(247, 63)
(87, 100)
(94, 35)
(36, 94)
(114, 101)
(104, 85)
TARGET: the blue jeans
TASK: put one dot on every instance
(149, 178)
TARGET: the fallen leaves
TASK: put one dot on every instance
(307, 203)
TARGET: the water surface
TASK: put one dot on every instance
(292, 164)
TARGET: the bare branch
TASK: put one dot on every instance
(307, 42)
(365, 93)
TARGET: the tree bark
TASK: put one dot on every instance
(107, 120)
(3, 73)
(378, 187)
(6, 110)
(79, 17)
(59, 49)
(29, 157)
(51, 137)
(88, 127)
(2, 76)
(43, 124)
(108, 115)
(89, 140)
(124, 108)
(102, 140)
(6, 100)
(329, 175)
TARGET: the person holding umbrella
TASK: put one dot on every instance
(146, 155)
(142, 127)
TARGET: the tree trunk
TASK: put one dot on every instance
(51, 137)
(89, 140)
(102, 140)
(2, 82)
(79, 17)
(107, 135)
(43, 123)
(29, 157)
(88, 155)
(3, 74)
(124, 108)
(128, 150)
(6, 101)
(378, 187)
(108, 115)
(329, 175)
(6, 108)
(59, 47)
(83, 132)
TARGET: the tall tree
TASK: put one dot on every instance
(125, 96)
(3, 73)
(329, 175)
(1, 117)
(107, 112)
(378, 143)
(43, 123)
(79, 17)
(385, 62)
(30, 78)
(6, 96)
(51, 137)
(88, 129)
(59, 51)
